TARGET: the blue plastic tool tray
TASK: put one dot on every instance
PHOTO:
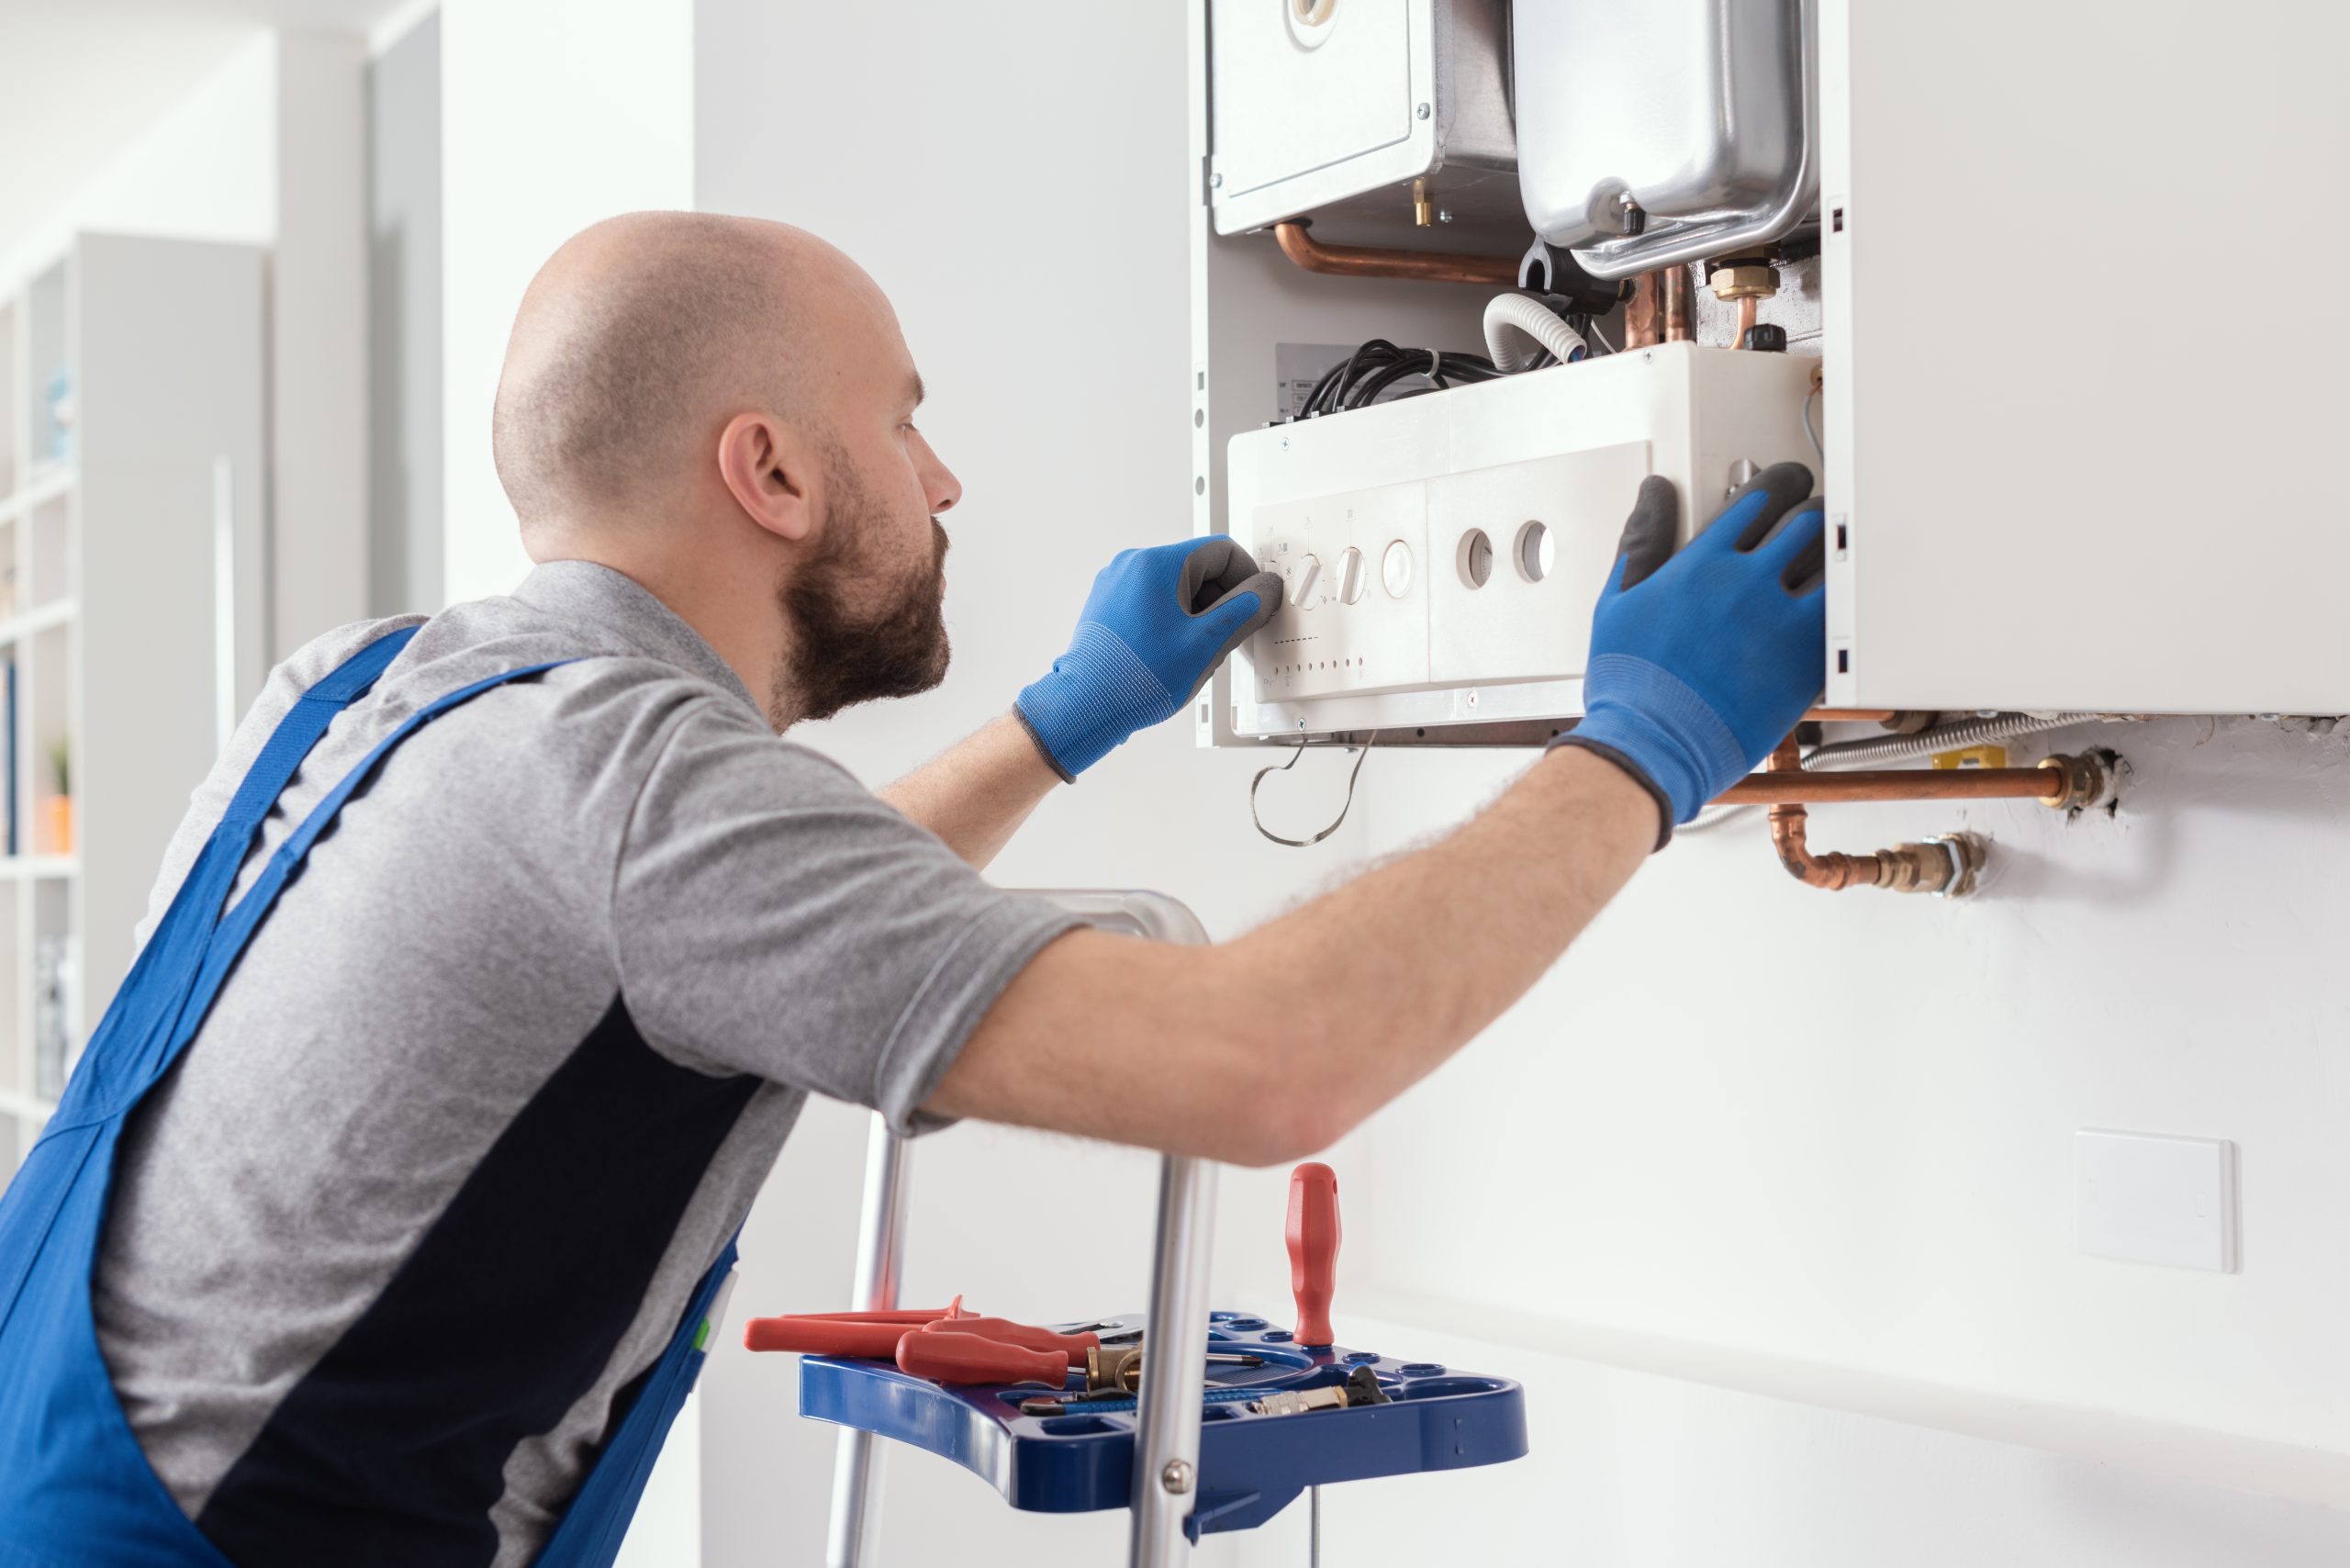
(1250, 1465)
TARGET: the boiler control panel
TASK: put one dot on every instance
(1441, 554)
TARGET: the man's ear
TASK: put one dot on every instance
(770, 469)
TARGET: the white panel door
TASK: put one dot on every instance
(2084, 401)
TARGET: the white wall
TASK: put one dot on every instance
(1765, 1193)
(404, 377)
(546, 125)
(319, 339)
(207, 169)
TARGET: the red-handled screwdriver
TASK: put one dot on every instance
(1005, 1330)
(1313, 1249)
(949, 1357)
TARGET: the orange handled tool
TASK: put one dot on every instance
(1004, 1329)
(911, 1317)
(949, 1357)
(1313, 1249)
(826, 1336)
(874, 1334)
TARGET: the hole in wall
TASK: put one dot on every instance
(1844, 661)
(1536, 550)
(1836, 222)
(1476, 558)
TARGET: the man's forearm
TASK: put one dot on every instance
(1324, 1013)
(976, 795)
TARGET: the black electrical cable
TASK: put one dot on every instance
(1375, 367)
(1380, 381)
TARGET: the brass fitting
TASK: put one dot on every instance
(1744, 280)
(1946, 866)
(1110, 1370)
(1423, 206)
(2088, 780)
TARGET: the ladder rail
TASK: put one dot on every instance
(881, 1250)
(1166, 1420)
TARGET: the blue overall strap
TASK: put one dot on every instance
(132, 1045)
(237, 926)
(597, 1521)
(76, 1489)
(116, 1071)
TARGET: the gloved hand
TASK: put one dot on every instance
(1702, 661)
(1154, 629)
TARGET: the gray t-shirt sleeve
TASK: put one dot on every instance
(773, 916)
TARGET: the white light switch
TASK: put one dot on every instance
(2144, 1198)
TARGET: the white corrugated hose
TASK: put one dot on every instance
(1513, 316)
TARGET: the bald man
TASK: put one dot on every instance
(415, 1231)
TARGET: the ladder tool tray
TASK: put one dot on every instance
(1250, 1465)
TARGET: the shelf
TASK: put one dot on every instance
(17, 868)
(56, 612)
(25, 1107)
(45, 484)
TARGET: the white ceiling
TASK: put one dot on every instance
(80, 79)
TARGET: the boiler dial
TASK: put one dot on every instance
(1350, 576)
(1305, 590)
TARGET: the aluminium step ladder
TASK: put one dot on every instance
(1167, 1438)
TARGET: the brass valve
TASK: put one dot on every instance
(1744, 280)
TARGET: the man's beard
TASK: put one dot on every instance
(839, 656)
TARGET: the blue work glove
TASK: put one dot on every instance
(1702, 661)
(1154, 629)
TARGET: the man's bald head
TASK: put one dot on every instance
(636, 341)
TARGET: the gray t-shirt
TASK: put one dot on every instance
(499, 1076)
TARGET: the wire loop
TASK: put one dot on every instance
(1362, 757)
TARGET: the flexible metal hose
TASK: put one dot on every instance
(1943, 737)
(1510, 314)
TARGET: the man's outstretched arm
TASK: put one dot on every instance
(976, 795)
(1155, 626)
(1325, 1013)
(1271, 1046)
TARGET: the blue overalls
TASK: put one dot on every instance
(75, 1490)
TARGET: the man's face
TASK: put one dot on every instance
(867, 607)
(867, 623)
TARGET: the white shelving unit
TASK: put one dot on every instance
(131, 415)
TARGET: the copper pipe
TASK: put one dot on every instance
(1643, 313)
(1746, 310)
(1901, 784)
(1832, 872)
(1371, 261)
(1849, 715)
(1676, 306)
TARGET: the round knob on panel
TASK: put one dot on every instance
(1396, 569)
(1306, 592)
(1351, 576)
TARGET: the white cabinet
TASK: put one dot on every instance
(2084, 397)
(131, 573)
